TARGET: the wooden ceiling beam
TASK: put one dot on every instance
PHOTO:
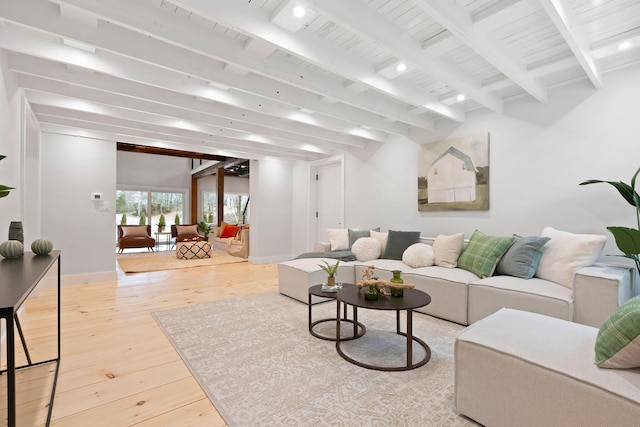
(135, 148)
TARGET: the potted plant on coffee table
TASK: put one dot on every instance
(331, 270)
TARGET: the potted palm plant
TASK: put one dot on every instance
(162, 223)
(4, 190)
(627, 239)
(331, 271)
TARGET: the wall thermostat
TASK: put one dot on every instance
(96, 196)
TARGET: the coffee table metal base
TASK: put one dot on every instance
(358, 328)
(409, 349)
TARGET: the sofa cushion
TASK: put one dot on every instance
(522, 257)
(447, 248)
(187, 229)
(356, 234)
(418, 255)
(135, 231)
(398, 242)
(483, 253)
(382, 237)
(565, 253)
(366, 249)
(338, 238)
(229, 231)
(618, 341)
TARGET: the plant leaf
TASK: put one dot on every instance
(627, 239)
(4, 194)
(625, 190)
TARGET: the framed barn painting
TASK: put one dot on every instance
(453, 174)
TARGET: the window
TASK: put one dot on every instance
(236, 208)
(145, 207)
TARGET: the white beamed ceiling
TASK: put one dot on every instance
(246, 78)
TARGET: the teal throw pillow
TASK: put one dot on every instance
(522, 258)
(398, 242)
(483, 253)
(618, 340)
(356, 234)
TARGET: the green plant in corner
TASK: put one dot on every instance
(627, 239)
(204, 228)
(4, 190)
(143, 219)
(176, 220)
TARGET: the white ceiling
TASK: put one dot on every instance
(246, 78)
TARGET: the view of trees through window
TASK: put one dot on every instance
(145, 208)
(234, 208)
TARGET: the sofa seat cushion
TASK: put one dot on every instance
(458, 275)
(516, 367)
(295, 277)
(486, 296)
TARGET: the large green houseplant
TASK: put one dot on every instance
(627, 239)
(4, 190)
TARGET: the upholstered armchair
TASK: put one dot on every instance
(135, 236)
(186, 232)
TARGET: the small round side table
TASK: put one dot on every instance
(358, 328)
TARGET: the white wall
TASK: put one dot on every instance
(271, 210)
(539, 153)
(72, 169)
(10, 146)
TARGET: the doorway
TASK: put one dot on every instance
(329, 191)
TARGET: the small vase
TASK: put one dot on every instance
(371, 294)
(396, 292)
(16, 232)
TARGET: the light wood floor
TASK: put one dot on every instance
(117, 368)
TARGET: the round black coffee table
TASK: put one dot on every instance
(411, 300)
(358, 328)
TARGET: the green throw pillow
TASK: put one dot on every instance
(618, 341)
(483, 253)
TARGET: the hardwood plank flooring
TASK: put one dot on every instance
(118, 368)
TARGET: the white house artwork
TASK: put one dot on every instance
(454, 174)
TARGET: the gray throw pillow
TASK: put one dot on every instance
(398, 242)
(356, 234)
(522, 258)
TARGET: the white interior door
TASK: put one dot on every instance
(330, 203)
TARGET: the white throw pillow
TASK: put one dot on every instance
(382, 237)
(366, 249)
(418, 255)
(338, 238)
(565, 253)
(447, 249)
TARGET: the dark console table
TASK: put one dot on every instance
(18, 278)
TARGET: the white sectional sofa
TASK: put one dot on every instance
(461, 296)
(516, 368)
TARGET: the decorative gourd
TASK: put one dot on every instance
(11, 249)
(41, 246)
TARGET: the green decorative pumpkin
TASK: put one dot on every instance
(41, 246)
(11, 249)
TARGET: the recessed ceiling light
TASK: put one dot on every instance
(401, 67)
(461, 97)
(299, 11)
(624, 45)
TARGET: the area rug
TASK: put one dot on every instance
(157, 261)
(255, 359)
